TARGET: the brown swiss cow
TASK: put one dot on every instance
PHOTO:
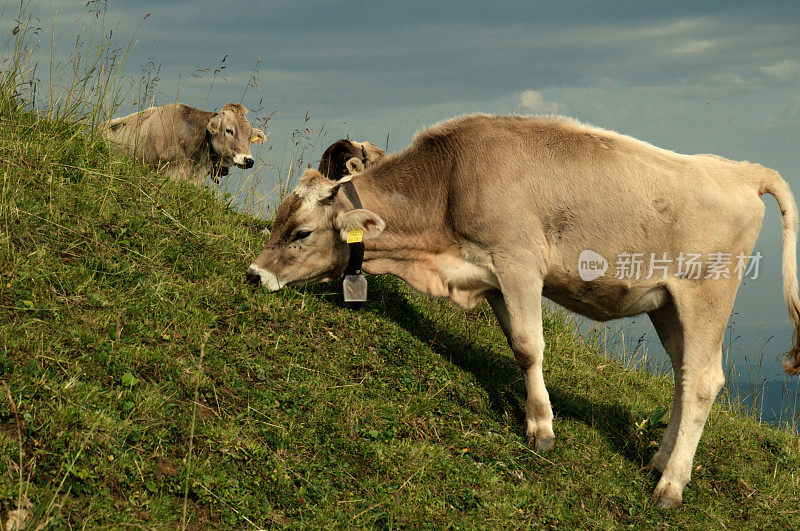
(187, 143)
(514, 208)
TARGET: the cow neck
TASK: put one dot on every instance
(356, 258)
(416, 240)
(214, 159)
(408, 244)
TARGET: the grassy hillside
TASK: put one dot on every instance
(149, 384)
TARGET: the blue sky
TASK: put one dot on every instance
(695, 77)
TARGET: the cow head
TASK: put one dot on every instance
(308, 241)
(345, 156)
(231, 135)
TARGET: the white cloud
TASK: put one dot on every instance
(533, 101)
(696, 46)
(783, 70)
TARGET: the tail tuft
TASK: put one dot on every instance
(791, 360)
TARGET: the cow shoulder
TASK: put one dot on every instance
(193, 120)
(188, 125)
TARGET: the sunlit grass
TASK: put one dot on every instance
(146, 384)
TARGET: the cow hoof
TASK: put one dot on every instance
(667, 496)
(541, 444)
(669, 503)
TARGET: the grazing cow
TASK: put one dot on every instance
(345, 156)
(188, 143)
(515, 208)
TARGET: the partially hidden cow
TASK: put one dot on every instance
(503, 207)
(345, 156)
(185, 142)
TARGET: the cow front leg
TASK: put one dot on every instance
(520, 316)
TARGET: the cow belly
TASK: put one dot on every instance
(605, 298)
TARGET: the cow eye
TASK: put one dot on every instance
(301, 235)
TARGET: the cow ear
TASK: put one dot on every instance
(354, 165)
(214, 124)
(369, 223)
(257, 136)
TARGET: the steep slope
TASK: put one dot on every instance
(150, 385)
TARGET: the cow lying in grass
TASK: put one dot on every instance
(185, 142)
(512, 209)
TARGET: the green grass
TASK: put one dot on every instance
(150, 385)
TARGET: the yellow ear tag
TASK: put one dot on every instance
(253, 138)
(355, 236)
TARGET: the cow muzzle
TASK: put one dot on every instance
(256, 275)
(244, 161)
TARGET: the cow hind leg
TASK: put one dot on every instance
(519, 313)
(668, 327)
(703, 313)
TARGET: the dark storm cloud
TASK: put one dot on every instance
(406, 53)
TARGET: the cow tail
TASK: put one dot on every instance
(774, 185)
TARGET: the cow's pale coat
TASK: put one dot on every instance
(501, 208)
(185, 142)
